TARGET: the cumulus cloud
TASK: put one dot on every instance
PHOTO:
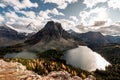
(115, 4)
(117, 23)
(39, 19)
(62, 4)
(17, 5)
(73, 18)
(10, 15)
(99, 23)
(1, 20)
(84, 15)
(2, 5)
(96, 14)
(68, 24)
(91, 3)
(46, 13)
(110, 30)
(111, 3)
(113, 29)
(30, 14)
(56, 12)
(12, 18)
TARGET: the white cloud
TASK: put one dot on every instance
(101, 14)
(96, 14)
(39, 19)
(17, 5)
(73, 18)
(13, 19)
(110, 30)
(62, 4)
(68, 24)
(46, 13)
(30, 14)
(56, 12)
(111, 3)
(115, 4)
(1, 20)
(91, 3)
(20, 22)
(2, 5)
(113, 29)
(99, 23)
(84, 15)
(10, 15)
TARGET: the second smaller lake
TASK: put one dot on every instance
(23, 54)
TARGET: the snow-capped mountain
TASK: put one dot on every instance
(32, 27)
(19, 30)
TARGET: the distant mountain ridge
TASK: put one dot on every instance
(8, 32)
(10, 35)
(95, 39)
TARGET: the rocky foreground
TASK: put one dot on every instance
(16, 71)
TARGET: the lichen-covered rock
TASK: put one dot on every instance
(16, 71)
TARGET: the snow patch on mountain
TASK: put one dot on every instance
(18, 30)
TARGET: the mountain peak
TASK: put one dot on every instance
(31, 26)
(51, 36)
(94, 33)
(54, 30)
(51, 25)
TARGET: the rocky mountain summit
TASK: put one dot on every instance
(52, 36)
(16, 71)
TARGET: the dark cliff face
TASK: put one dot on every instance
(52, 36)
(51, 31)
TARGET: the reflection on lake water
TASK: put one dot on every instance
(84, 58)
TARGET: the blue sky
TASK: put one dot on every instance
(70, 13)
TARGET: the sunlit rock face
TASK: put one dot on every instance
(84, 58)
(16, 71)
(63, 75)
